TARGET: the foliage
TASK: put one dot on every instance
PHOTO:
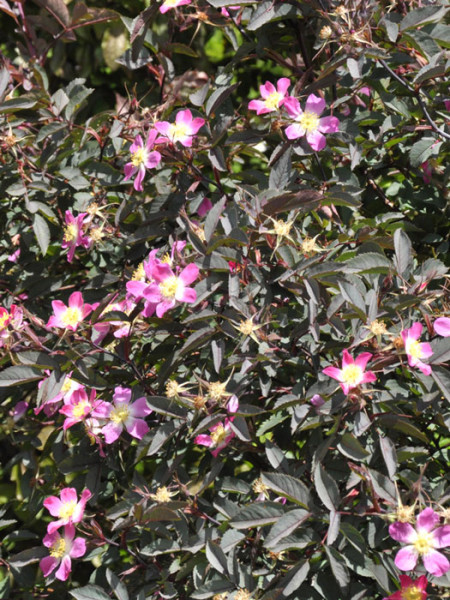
(216, 290)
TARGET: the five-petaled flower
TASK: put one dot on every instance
(169, 288)
(69, 317)
(67, 508)
(308, 122)
(273, 97)
(220, 436)
(73, 234)
(183, 130)
(142, 158)
(62, 549)
(353, 372)
(78, 406)
(410, 590)
(422, 542)
(125, 415)
(415, 350)
(168, 4)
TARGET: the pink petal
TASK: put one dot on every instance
(362, 359)
(122, 394)
(283, 85)
(189, 295)
(136, 288)
(153, 160)
(292, 106)
(426, 369)
(259, 106)
(64, 570)
(315, 104)
(140, 408)
(48, 564)
(426, 350)
(442, 537)
(137, 428)
(139, 179)
(369, 377)
(333, 372)
(112, 432)
(316, 140)
(163, 307)
(204, 207)
(415, 330)
(151, 139)
(68, 495)
(436, 563)
(189, 273)
(427, 519)
(203, 440)
(406, 558)
(294, 131)
(76, 300)
(78, 548)
(267, 89)
(329, 125)
(442, 326)
(130, 170)
(402, 532)
(347, 358)
(163, 127)
(137, 144)
(53, 504)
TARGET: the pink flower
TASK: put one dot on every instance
(69, 386)
(78, 406)
(183, 130)
(14, 257)
(205, 207)
(121, 328)
(308, 122)
(427, 172)
(442, 326)
(67, 508)
(142, 159)
(9, 322)
(422, 542)
(73, 234)
(169, 288)
(411, 590)
(62, 549)
(415, 351)
(168, 4)
(352, 373)
(69, 317)
(220, 436)
(273, 98)
(124, 415)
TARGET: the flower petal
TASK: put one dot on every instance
(406, 558)
(436, 563)
(442, 326)
(403, 532)
(315, 104)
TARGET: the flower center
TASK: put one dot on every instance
(247, 327)
(178, 131)
(424, 542)
(218, 435)
(70, 232)
(162, 495)
(72, 317)
(139, 156)
(216, 390)
(67, 385)
(169, 287)
(273, 100)
(281, 228)
(4, 318)
(352, 375)
(139, 273)
(120, 414)
(413, 348)
(412, 592)
(81, 409)
(309, 121)
(58, 549)
(170, 3)
(67, 511)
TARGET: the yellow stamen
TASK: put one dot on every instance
(58, 549)
(67, 510)
(412, 592)
(247, 327)
(138, 157)
(424, 542)
(242, 594)
(169, 287)
(259, 487)
(120, 414)
(139, 273)
(216, 390)
(71, 317)
(352, 375)
(273, 100)
(178, 131)
(309, 121)
(282, 228)
(413, 348)
(81, 409)
(218, 435)
(4, 320)
(162, 495)
(70, 232)
(378, 327)
(67, 385)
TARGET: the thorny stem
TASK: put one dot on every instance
(416, 93)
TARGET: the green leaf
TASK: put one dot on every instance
(21, 103)
(42, 232)
(216, 557)
(326, 488)
(389, 454)
(442, 378)
(441, 351)
(285, 525)
(89, 592)
(36, 358)
(167, 407)
(421, 16)
(218, 97)
(351, 447)
(422, 150)
(403, 254)
(368, 262)
(291, 488)
(17, 375)
(258, 514)
(119, 589)
(338, 567)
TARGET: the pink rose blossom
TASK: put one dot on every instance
(67, 508)
(62, 548)
(69, 317)
(169, 288)
(308, 123)
(68, 387)
(73, 234)
(125, 415)
(168, 4)
(220, 436)
(273, 98)
(183, 130)
(415, 350)
(14, 257)
(411, 590)
(442, 326)
(78, 406)
(9, 323)
(353, 372)
(141, 159)
(422, 542)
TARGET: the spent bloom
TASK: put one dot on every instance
(272, 97)
(73, 234)
(442, 326)
(353, 372)
(142, 158)
(183, 130)
(415, 350)
(62, 548)
(168, 4)
(67, 508)
(422, 542)
(308, 122)
(169, 288)
(410, 590)
(125, 415)
(69, 317)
